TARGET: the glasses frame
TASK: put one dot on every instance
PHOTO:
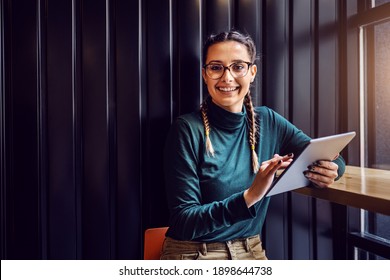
(227, 68)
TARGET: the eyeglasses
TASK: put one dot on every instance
(238, 69)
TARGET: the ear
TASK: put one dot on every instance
(253, 72)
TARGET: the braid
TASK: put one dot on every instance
(253, 131)
(203, 111)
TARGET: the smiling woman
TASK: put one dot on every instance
(228, 88)
(221, 160)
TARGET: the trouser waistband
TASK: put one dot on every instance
(213, 246)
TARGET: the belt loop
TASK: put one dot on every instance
(247, 248)
(204, 249)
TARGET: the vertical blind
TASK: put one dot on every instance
(89, 89)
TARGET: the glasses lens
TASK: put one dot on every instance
(237, 70)
(214, 71)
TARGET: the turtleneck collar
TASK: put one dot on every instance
(225, 119)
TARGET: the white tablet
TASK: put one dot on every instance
(324, 148)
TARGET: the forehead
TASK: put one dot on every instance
(227, 51)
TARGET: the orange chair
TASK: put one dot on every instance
(153, 242)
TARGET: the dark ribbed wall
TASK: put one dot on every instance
(89, 89)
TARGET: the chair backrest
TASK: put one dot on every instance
(153, 242)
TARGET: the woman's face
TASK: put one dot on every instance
(228, 92)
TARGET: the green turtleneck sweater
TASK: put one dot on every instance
(205, 193)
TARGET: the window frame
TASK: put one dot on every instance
(362, 23)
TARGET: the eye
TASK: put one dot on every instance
(215, 67)
(238, 67)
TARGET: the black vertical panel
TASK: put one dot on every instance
(158, 110)
(218, 16)
(275, 96)
(89, 88)
(42, 125)
(342, 65)
(249, 19)
(61, 198)
(327, 68)
(327, 104)
(337, 245)
(303, 114)
(129, 158)
(323, 229)
(276, 55)
(352, 86)
(2, 135)
(96, 192)
(186, 56)
(303, 65)
(349, 94)
(302, 237)
(111, 120)
(22, 172)
(276, 231)
(77, 108)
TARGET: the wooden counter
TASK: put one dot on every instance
(364, 188)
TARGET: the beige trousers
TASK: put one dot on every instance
(241, 249)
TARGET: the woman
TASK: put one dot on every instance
(214, 182)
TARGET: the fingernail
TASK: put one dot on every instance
(290, 155)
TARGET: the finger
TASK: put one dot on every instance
(319, 179)
(331, 173)
(288, 156)
(286, 163)
(287, 159)
(326, 164)
(275, 158)
(273, 166)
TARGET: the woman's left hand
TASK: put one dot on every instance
(322, 173)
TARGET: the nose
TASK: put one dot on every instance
(227, 75)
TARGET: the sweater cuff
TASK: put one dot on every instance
(341, 164)
(241, 210)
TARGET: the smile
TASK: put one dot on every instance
(227, 89)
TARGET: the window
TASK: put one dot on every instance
(365, 255)
(374, 90)
(376, 95)
(376, 3)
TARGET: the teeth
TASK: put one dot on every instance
(227, 89)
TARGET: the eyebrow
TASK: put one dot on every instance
(220, 62)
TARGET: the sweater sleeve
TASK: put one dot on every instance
(189, 217)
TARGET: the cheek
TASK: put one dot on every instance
(245, 86)
(210, 85)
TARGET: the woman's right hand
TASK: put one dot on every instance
(264, 178)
